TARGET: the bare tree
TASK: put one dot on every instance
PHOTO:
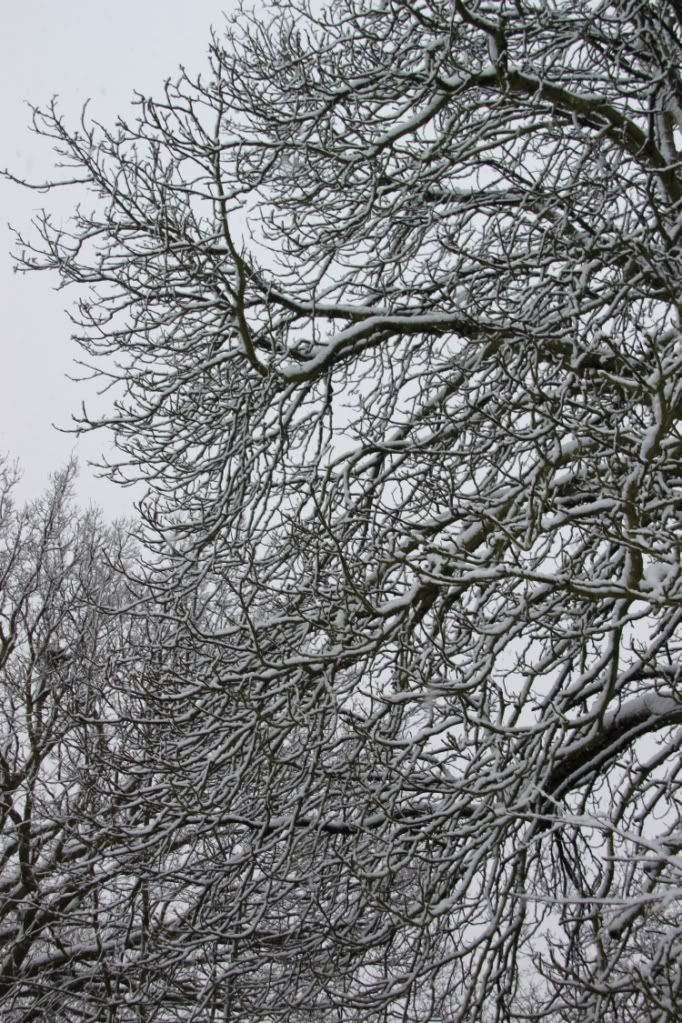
(389, 305)
(70, 913)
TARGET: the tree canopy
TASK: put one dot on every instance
(388, 305)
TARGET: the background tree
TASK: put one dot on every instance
(389, 303)
(71, 922)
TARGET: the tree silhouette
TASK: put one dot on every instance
(388, 302)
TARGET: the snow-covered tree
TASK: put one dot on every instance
(65, 895)
(389, 305)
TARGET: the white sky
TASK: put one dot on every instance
(78, 49)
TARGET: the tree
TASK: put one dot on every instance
(389, 305)
(70, 912)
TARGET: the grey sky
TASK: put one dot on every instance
(78, 49)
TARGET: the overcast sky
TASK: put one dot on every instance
(78, 49)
